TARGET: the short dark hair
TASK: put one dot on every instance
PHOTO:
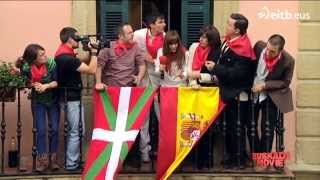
(66, 33)
(241, 22)
(119, 29)
(152, 18)
(30, 53)
(212, 35)
(277, 40)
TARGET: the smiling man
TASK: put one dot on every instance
(123, 63)
(150, 40)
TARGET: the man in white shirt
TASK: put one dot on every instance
(150, 39)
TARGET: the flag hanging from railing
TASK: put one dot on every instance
(185, 115)
(119, 113)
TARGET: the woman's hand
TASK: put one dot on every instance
(210, 65)
(194, 75)
(162, 67)
(40, 88)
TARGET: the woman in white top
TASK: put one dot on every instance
(172, 59)
(201, 55)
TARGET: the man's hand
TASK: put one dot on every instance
(210, 65)
(93, 45)
(136, 80)
(100, 86)
(149, 58)
(40, 88)
(258, 87)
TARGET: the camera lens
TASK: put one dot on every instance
(76, 38)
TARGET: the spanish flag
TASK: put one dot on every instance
(185, 115)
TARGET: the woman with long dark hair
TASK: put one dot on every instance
(201, 54)
(172, 59)
(42, 76)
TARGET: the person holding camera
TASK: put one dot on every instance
(69, 82)
(123, 63)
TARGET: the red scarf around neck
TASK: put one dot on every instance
(200, 57)
(38, 72)
(271, 62)
(241, 46)
(64, 49)
(155, 44)
(121, 47)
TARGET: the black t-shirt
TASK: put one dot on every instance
(69, 77)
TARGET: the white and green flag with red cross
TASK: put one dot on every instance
(119, 113)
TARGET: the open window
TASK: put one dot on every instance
(185, 16)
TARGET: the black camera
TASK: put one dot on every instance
(85, 40)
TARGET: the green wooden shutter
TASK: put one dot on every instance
(194, 14)
(112, 13)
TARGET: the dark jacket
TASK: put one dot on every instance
(278, 81)
(235, 74)
(214, 56)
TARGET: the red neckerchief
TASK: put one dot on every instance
(200, 57)
(64, 49)
(38, 72)
(155, 44)
(271, 62)
(241, 46)
(120, 46)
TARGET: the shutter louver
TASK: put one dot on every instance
(195, 13)
(112, 13)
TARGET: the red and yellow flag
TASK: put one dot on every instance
(185, 115)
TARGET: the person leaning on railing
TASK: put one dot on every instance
(201, 55)
(273, 95)
(41, 73)
(69, 81)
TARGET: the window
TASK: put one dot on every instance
(185, 16)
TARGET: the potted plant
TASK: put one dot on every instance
(10, 80)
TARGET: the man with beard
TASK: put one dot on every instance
(119, 64)
(69, 76)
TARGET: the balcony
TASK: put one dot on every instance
(22, 127)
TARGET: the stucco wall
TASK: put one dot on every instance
(24, 22)
(308, 94)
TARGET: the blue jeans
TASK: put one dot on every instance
(40, 114)
(72, 111)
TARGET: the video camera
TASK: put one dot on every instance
(85, 40)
